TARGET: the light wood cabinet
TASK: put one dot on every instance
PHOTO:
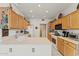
(65, 47)
(65, 22)
(69, 49)
(59, 21)
(74, 20)
(70, 21)
(53, 25)
(16, 21)
(13, 20)
(20, 22)
(50, 25)
(49, 36)
(60, 45)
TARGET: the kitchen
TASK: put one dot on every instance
(53, 31)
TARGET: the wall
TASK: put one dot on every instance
(36, 23)
(12, 32)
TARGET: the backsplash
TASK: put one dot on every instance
(73, 31)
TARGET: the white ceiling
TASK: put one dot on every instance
(40, 12)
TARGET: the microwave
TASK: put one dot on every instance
(58, 27)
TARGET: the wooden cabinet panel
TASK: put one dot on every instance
(59, 21)
(26, 24)
(20, 22)
(50, 25)
(60, 45)
(68, 50)
(49, 36)
(74, 20)
(53, 25)
(66, 22)
(13, 19)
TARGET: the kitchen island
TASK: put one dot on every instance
(25, 46)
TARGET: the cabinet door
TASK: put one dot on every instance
(60, 21)
(4, 50)
(49, 25)
(25, 24)
(68, 50)
(60, 45)
(49, 36)
(53, 25)
(74, 20)
(66, 22)
(13, 19)
(20, 22)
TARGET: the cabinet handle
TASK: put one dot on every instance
(10, 50)
(33, 50)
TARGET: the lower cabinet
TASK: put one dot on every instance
(25, 50)
(60, 45)
(69, 51)
(66, 48)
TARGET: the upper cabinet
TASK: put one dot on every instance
(65, 22)
(58, 21)
(74, 20)
(70, 21)
(11, 20)
(53, 25)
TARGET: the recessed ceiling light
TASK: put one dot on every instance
(44, 16)
(38, 5)
(30, 11)
(32, 16)
(46, 11)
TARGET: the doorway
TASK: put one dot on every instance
(42, 30)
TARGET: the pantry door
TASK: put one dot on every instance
(42, 30)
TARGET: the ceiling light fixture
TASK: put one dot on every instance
(31, 11)
(38, 5)
(32, 16)
(44, 16)
(46, 11)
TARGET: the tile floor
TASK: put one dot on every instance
(55, 51)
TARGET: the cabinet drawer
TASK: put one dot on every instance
(66, 42)
(72, 45)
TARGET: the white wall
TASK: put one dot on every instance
(12, 32)
(36, 22)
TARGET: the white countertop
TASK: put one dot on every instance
(24, 40)
(69, 39)
(53, 36)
